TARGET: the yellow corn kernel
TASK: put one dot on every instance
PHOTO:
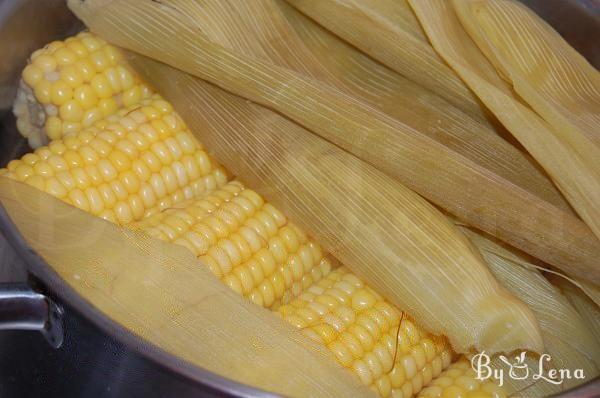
(54, 127)
(70, 75)
(71, 111)
(32, 75)
(64, 56)
(45, 63)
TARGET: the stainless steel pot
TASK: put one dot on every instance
(80, 352)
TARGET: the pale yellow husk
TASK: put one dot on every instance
(422, 163)
(352, 71)
(567, 336)
(162, 293)
(568, 154)
(388, 31)
(588, 310)
(552, 77)
(407, 250)
(591, 290)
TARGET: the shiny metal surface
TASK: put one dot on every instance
(99, 358)
(22, 308)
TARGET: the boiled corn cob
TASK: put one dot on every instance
(379, 343)
(134, 163)
(254, 250)
(459, 380)
(245, 242)
(69, 85)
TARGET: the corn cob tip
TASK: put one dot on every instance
(70, 85)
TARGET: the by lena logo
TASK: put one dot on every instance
(519, 369)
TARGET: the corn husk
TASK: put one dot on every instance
(567, 336)
(555, 81)
(585, 306)
(162, 293)
(590, 290)
(364, 79)
(420, 162)
(406, 250)
(553, 78)
(259, 28)
(388, 31)
(569, 156)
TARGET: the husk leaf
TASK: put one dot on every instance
(162, 293)
(389, 32)
(586, 307)
(418, 161)
(591, 290)
(568, 155)
(567, 337)
(367, 80)
(553, 78)
(555, 81)
(405, 248)
(258, 29)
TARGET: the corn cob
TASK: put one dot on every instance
(245, 242)
(132, 164)
(380, 344)
(69, 85)
(459, 380)
(254, 250)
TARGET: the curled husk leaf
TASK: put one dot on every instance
(568, 337)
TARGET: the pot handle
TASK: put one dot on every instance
(22, 308)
